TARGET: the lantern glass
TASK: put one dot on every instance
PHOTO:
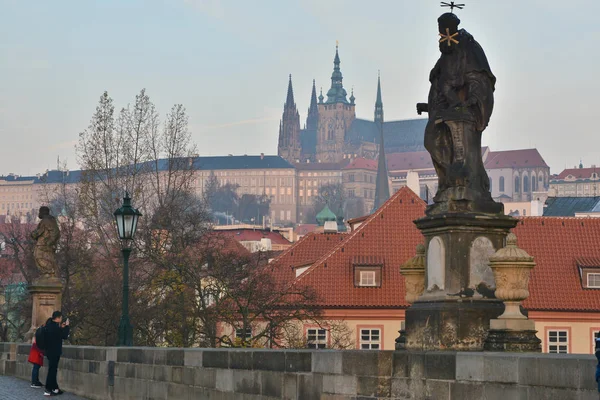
(126, 218)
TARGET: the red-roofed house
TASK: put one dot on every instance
(517, 174)
(576, 182)
(357, 275)
(359, 182)
(256, 239)
(565, 284)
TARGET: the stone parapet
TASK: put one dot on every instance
(160, 373)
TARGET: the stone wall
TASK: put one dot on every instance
(156, 373)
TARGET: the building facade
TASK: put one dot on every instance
(517, 175)
(576, 182)
(360, 177)
(311, 177)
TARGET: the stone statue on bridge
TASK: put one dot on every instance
(46, 238)
(460, 104)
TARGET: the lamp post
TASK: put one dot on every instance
(127, 219)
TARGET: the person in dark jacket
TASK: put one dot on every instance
(55, 332)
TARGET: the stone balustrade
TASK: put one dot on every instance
(161, 373)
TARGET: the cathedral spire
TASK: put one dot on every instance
(382, 187)
(289, 102)
(312, 117)
(337, 93)
(289, 128)
(378, 102)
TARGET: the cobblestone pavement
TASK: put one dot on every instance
(17, 389)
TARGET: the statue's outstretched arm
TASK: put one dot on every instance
(422, 107)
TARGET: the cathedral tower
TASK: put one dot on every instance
(335, 117)
(289, 129)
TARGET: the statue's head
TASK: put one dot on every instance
(43, 212)
(448, 27)
(448, 21)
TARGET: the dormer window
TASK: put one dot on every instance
(589, 270)
(367, 278)
(593, 280)
(367, 271)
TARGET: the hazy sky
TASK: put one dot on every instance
(228, 63)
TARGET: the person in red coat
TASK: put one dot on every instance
(36, 357)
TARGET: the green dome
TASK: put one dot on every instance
(325, 215)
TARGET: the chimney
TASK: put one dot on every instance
(262, 156)
(330, 227)
(412, 181)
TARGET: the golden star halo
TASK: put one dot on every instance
(448, 37)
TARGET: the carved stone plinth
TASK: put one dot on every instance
(519, 341)
(455, 310)
(450, 325)
(46, 294)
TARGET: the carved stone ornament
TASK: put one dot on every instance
(413, 271)
(512, 267)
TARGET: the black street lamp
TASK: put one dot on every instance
(127, 219)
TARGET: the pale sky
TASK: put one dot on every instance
(228, 63)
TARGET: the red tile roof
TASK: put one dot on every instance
(515, 159)
(305, 251)
(408, 161)
(363, 163)
(579, 173)
(331, 276)
(556, 245)
(588, 262)
(252, 235)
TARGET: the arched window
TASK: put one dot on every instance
(533, 184)
(525, 184)
(501, 184)
(517, 184)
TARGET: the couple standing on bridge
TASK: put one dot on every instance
(48, 341)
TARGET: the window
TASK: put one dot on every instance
(240, 333)
(316, 338)
(517, 184)
(501, 184)
(593, 280)
(366, 193)
(351, 193)
(595, 335)
(370, 339)
(525, 184)
(558, 341)
(491, 188)
(351, 177)
(367, 278)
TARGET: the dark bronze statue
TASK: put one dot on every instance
(46, 238)
(460, 104)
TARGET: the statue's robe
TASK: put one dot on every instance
(460, 101)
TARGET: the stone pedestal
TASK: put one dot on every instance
(455, 310)
(47, 297)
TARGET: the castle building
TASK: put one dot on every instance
(333, 134)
